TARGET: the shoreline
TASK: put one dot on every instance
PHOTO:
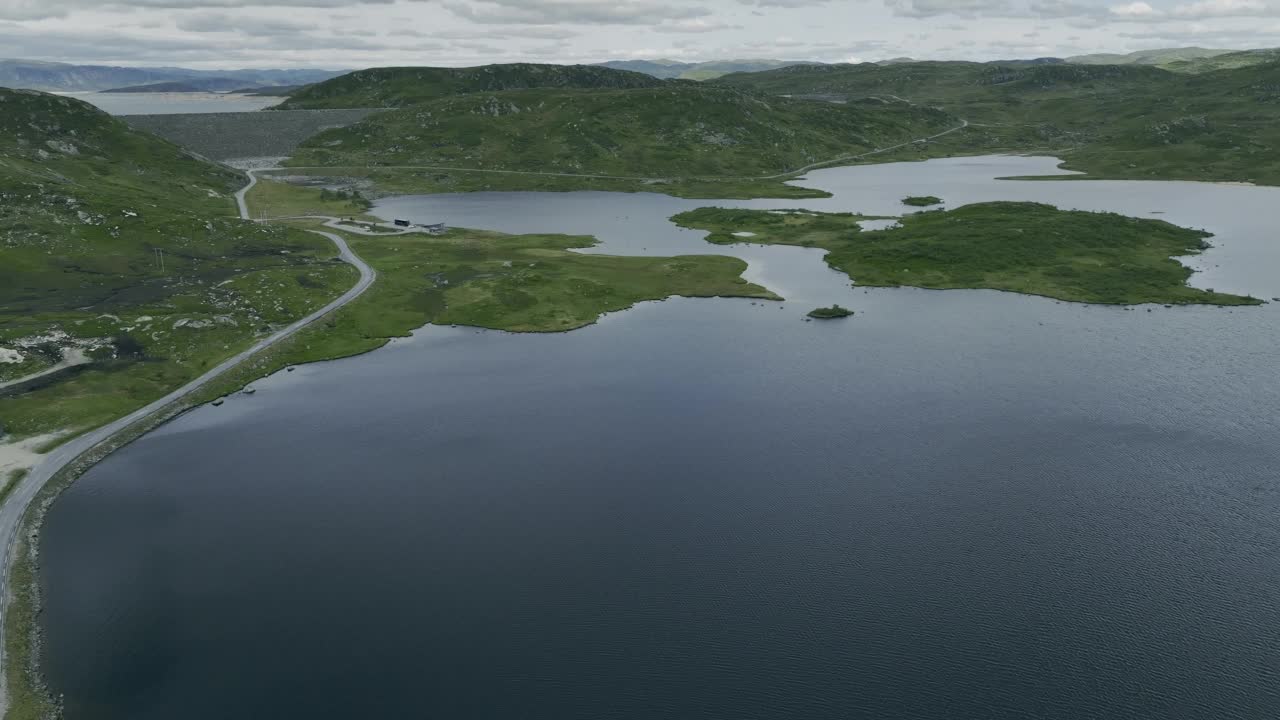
(21, 603)
(23, 510)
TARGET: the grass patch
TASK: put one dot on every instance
(1019, 247)
(274, 198)
(522, 283)
(783, 227)
(28, 697)
(9, 482)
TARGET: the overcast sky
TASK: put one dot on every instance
(342, 34)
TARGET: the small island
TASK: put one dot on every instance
(1020, 247)
(922, 200)
(830, 313)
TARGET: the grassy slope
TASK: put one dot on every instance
(276, 199)
(1160, 56)
(1225, 61)
(1019, 247)
(84, 204)
(1129, 121)
(403, 87)
(677, 130)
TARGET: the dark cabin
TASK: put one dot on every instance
(403, 223)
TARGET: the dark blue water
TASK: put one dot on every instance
(953, 505)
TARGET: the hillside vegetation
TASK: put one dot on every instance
(119, 249)
(1184, 60)
(405, 86)
(676, 130)
(1119, 121)
(1158, 56)
(1225, 61)
(1016, 246)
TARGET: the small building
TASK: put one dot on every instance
(403, 223)
(436, 229)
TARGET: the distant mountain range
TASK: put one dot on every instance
(63, 77)
(1159, 56)
(220, 84)
(1191, 60)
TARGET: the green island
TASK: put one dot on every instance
(1019, 247)
(922, 200)
(788, 226)
(830, 313)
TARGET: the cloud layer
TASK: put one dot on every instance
(359, 33)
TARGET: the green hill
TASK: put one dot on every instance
(1123, 121)
(1226, 61)
(1185, 60)
(402, 87)
(678, 130)
(120, 247)
(949, 82)
(1159, 56)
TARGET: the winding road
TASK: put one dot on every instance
(15, 506)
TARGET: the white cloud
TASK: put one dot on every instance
(363, 33)
(1135, 10)
(586, 12)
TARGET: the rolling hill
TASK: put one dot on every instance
(402, 87)
(672, 130)
(1159, 56)
(1227, 61)
(1124, 121)
(121, 248)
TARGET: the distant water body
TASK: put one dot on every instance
(175, 103)
(959, 504)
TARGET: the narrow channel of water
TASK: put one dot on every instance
(956, 504)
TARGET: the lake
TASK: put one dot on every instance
(175, 103)
(958, 504)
